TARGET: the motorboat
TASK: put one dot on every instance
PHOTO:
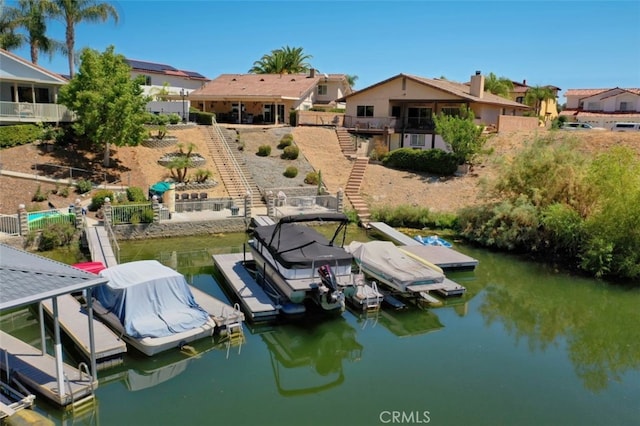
(154, 309)
(301, 264)
(385, 263)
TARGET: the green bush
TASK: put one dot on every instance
(39, 195)
(264, 150)
(19, 135)
(435, 161)
(413, 217)
(286, 141)
(290, 153)
(174, 118)
(291, 172)
(83, 186)
(200, 117)
(312, 178)
(97, 201)
(136, 194)
(56, 235)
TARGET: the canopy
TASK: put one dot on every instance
(150, 299)
(159, 188)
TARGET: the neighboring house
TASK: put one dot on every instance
(603, 107)
(268, 98)
(548, 108)
(28, 92)
(167, 85)
(398, 112)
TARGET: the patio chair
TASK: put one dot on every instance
(203, 195)
(185, 197)
(194, 196)
(177, 197)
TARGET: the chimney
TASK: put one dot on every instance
(312, 72)
(524, 82)
(477, 85)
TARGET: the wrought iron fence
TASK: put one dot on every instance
(10, 224)
(131, 213)
(37, 221)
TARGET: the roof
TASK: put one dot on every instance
(157, 68)
(584, 93)
(461, 90)
(258, 86)
(27, 278)
(7, 73)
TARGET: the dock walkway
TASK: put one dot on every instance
(393, 234)
(73, 319)
(255, 302)
(38, 371)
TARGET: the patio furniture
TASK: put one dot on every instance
(185, 196)
(203, 195)
(194, 195)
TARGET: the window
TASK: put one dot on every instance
(593, 106)
(520, 99)
(419, 118)
(322, 89)
(452, 111)
(364, 111)
(417, 141)
(625, 106)
(147, 80)
(396, 111)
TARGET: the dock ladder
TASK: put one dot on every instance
(372, 304)
(86, 404)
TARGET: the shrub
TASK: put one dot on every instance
(433, 161)
(83, 186)
(56, 235)
(286, 141)
(202, 175)
(461, 133)
(39, 195)
(290, 172)
(290, 153)
(136, 194)
(19, 135)
(264, 150)
(64, 192)
(174, 118)
(97, 201)
(312, 178)
(379, 151)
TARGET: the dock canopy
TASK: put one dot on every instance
(150, 299)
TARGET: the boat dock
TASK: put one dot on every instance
(38, 371)
(444, 257)
(255, 302)
(228, 319)
(73, 319)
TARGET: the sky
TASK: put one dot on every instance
(569, 44)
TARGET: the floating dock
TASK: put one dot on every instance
(228, 319)
(38, 371)
(446, 258)
(74, 321)
(393, 234)
(255, 302)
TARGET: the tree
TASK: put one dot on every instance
(286, 60)
(32, 15)
(501, 86)
(463, 136)
(109, 105)
(75, 11)
(536, 95)
(351, 80)
(9, 38)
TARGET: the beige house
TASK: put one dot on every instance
(398, 112)
(28, 92)
(268, 98)
(603, 107)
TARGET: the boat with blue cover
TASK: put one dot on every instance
(432, 240)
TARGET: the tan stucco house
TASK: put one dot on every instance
(548, 108)
(268, 98)
(399, 111)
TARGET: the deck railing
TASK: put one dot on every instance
(34, 112)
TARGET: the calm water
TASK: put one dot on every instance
(526, 346)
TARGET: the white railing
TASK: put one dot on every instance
(230, 156)
(35, 112)
(40, 220)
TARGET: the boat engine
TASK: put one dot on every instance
(328, 280)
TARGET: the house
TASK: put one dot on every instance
(268, 98)
(167, 85)
(603, 107)
(548, 108)
(398, 112)
(28, 92)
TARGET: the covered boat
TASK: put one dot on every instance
(300, 263)
(151, 306)
(432, 240)
(386, 263)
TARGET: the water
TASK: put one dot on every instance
(526, 346)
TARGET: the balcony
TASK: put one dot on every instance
(26, 112)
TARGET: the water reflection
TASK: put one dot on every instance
(308, 357)
(599, 322)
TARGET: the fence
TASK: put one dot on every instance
(131, 213)
(37, 221)
(10, 224)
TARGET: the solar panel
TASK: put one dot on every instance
(149, 66)
(194, 74)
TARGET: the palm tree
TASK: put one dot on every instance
(351, 79)
(75, 11)
(31, 15)
(536, 95)
(286, 60)
(500, 86)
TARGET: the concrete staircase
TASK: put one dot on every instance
(232, 168)
(352, 190)
(346, 142)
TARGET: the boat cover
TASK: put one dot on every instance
(150, 299)
(297, 246)
(385, 259)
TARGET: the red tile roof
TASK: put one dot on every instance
(256, 86)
